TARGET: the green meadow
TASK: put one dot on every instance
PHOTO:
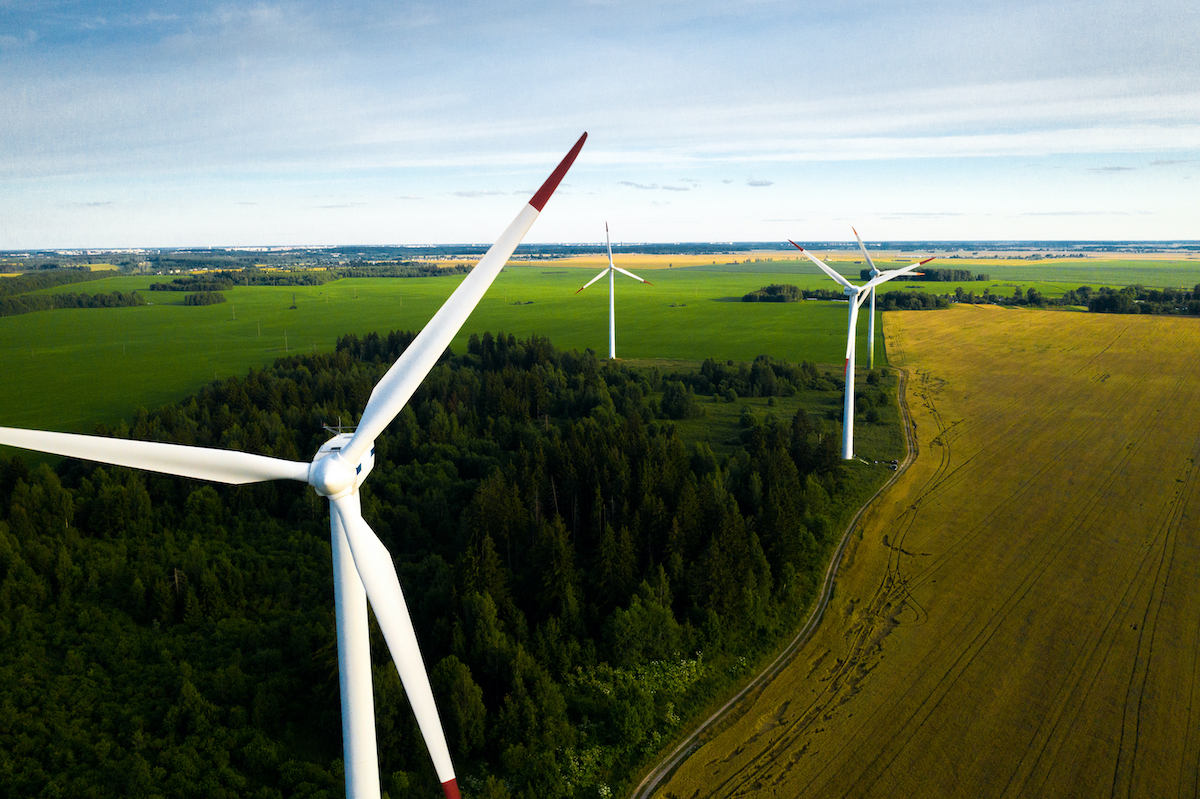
(69, 369)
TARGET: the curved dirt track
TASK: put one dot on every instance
(1022, 616)
(739, 701)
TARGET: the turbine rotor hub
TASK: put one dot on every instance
(331, 476)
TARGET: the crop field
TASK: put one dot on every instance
(1021, 614)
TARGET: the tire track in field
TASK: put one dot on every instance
(1071, 701)
(1103, 491)
(1113, 475)
(737, 705)
(967, 652)
(1126, 764)
(961, 472)
(1049, 554)
(893, 594)
(984, 420)
(837, 682)
(894, 589)
(951, 478)
(1073, 693)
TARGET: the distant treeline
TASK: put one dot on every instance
(788, 293)
(1130, 299)
(12, 306)
(775, 293)
(223, 281)
(911, 301)
(401, 269)
(204, 298)
(892, 301)
(49, 278)
(937, 275)
(1139, 299)
(185, 261)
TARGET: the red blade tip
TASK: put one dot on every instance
(450, 787)
(797, 246)
(543, 194)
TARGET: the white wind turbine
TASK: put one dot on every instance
(362, 566)
(873, 273)
(612, 302)
(856, 296)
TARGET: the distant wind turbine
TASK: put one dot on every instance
(362, 566)
(856, 296)
(874, 273)
(612, 302)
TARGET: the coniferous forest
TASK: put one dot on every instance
(582, 580)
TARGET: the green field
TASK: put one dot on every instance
(69, 369)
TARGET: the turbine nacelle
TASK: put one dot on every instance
(331, 476)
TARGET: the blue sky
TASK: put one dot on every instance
(224, 124)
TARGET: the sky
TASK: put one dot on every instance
(192, 123)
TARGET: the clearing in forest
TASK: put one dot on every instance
(1020, 615)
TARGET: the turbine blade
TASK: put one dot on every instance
(884, 277)
(824, 266)
(852, 337)
(863, 247)
(608, 241)
(593, 280)
(374, 565)
(632, 275)
(201, 463)
(410, 368)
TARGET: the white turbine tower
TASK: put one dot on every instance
(612, 302)
(856, 296)
(362, 566)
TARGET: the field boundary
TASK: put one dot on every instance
(646, 788)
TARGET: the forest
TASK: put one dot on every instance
(1139, 299)
(48, 278)
(28, 303)
(582, 580)
(937, 275)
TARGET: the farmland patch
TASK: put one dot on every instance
(1019, 618)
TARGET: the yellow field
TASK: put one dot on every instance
(1022, 614)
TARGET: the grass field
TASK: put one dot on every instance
(1020, 615)
(69, 369)
(131, 357)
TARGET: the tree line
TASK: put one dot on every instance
(28, 303)
(204, 298)
(937, 275)
(581, 579)
(47, 278)
(1139, 299)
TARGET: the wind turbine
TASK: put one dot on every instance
(362, 566)
(874, 273)
(856, 296)
(612, 303)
